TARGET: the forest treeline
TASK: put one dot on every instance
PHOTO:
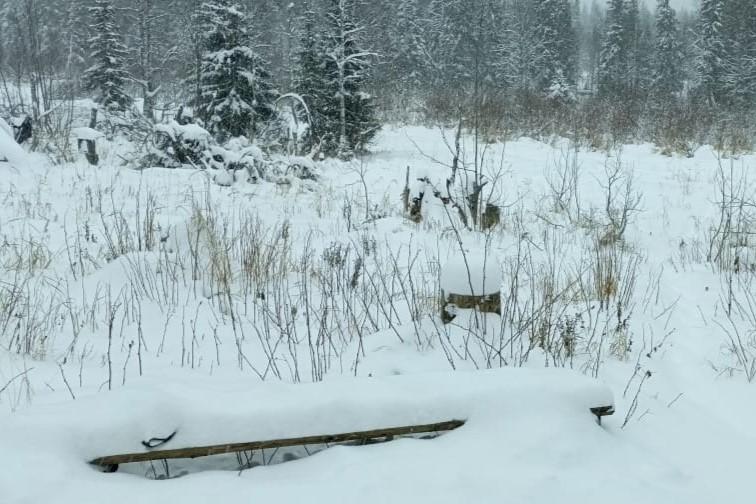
(601, 73)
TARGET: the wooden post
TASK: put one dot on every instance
(92, 156)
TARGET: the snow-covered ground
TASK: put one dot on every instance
(133, 303)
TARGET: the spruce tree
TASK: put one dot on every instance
(350, 114)
(453, 44)
(558, 66)
(642, 65)
(749, 57)
(712, 58)
(74, 41)
(667, 76)
(631, 34)
(152, 47)
(107, 76)
(463, 42)
(408, 60)
(521, 53)
(310, 80)
(612, 71)
(738, 29)
(235, 94)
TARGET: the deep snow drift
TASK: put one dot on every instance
(133, 303)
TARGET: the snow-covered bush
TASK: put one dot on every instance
(300, 167)
(470, 192)
(731, 240)
(175, 145)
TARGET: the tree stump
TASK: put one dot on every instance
(91, 150)
(491, 217)
(489, 303)
(22, 129)
(470, 281)
(86, 139)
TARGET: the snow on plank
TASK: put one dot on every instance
(278, 415)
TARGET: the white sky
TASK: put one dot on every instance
(684, 4)
(677, 4)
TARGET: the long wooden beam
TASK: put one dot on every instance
(111, 462)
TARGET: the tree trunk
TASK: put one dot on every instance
(343, 145)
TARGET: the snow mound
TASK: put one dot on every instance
(224, 178)
(187, 132)
(474, 273)
(204, 411)
(10, 151)
(86, 133)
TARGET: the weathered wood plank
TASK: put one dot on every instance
(111, 462)
(206, 451)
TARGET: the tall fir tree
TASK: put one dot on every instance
(462, 43)
(632, 37)
(236, 96)
(749, 57)
(667, 76)
(408, 60)
(559, 62)
(310, 80)
(520, 55)
(643, 58)
(612, 71)
(152, 47)
(712, 57)
(593, 41)
(74, 40)
(107, 76)
(350, 115)
(738, 28)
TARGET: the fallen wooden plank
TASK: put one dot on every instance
(111, 462)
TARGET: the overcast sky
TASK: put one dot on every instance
(677, 4)
(683, 4)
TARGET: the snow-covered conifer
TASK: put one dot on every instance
(612, 70)
(667, 76)
(351, 113)
(235, 93)
(557, 37)
(712, 58)
(409, 59)
(310, 79)
(107, 76)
